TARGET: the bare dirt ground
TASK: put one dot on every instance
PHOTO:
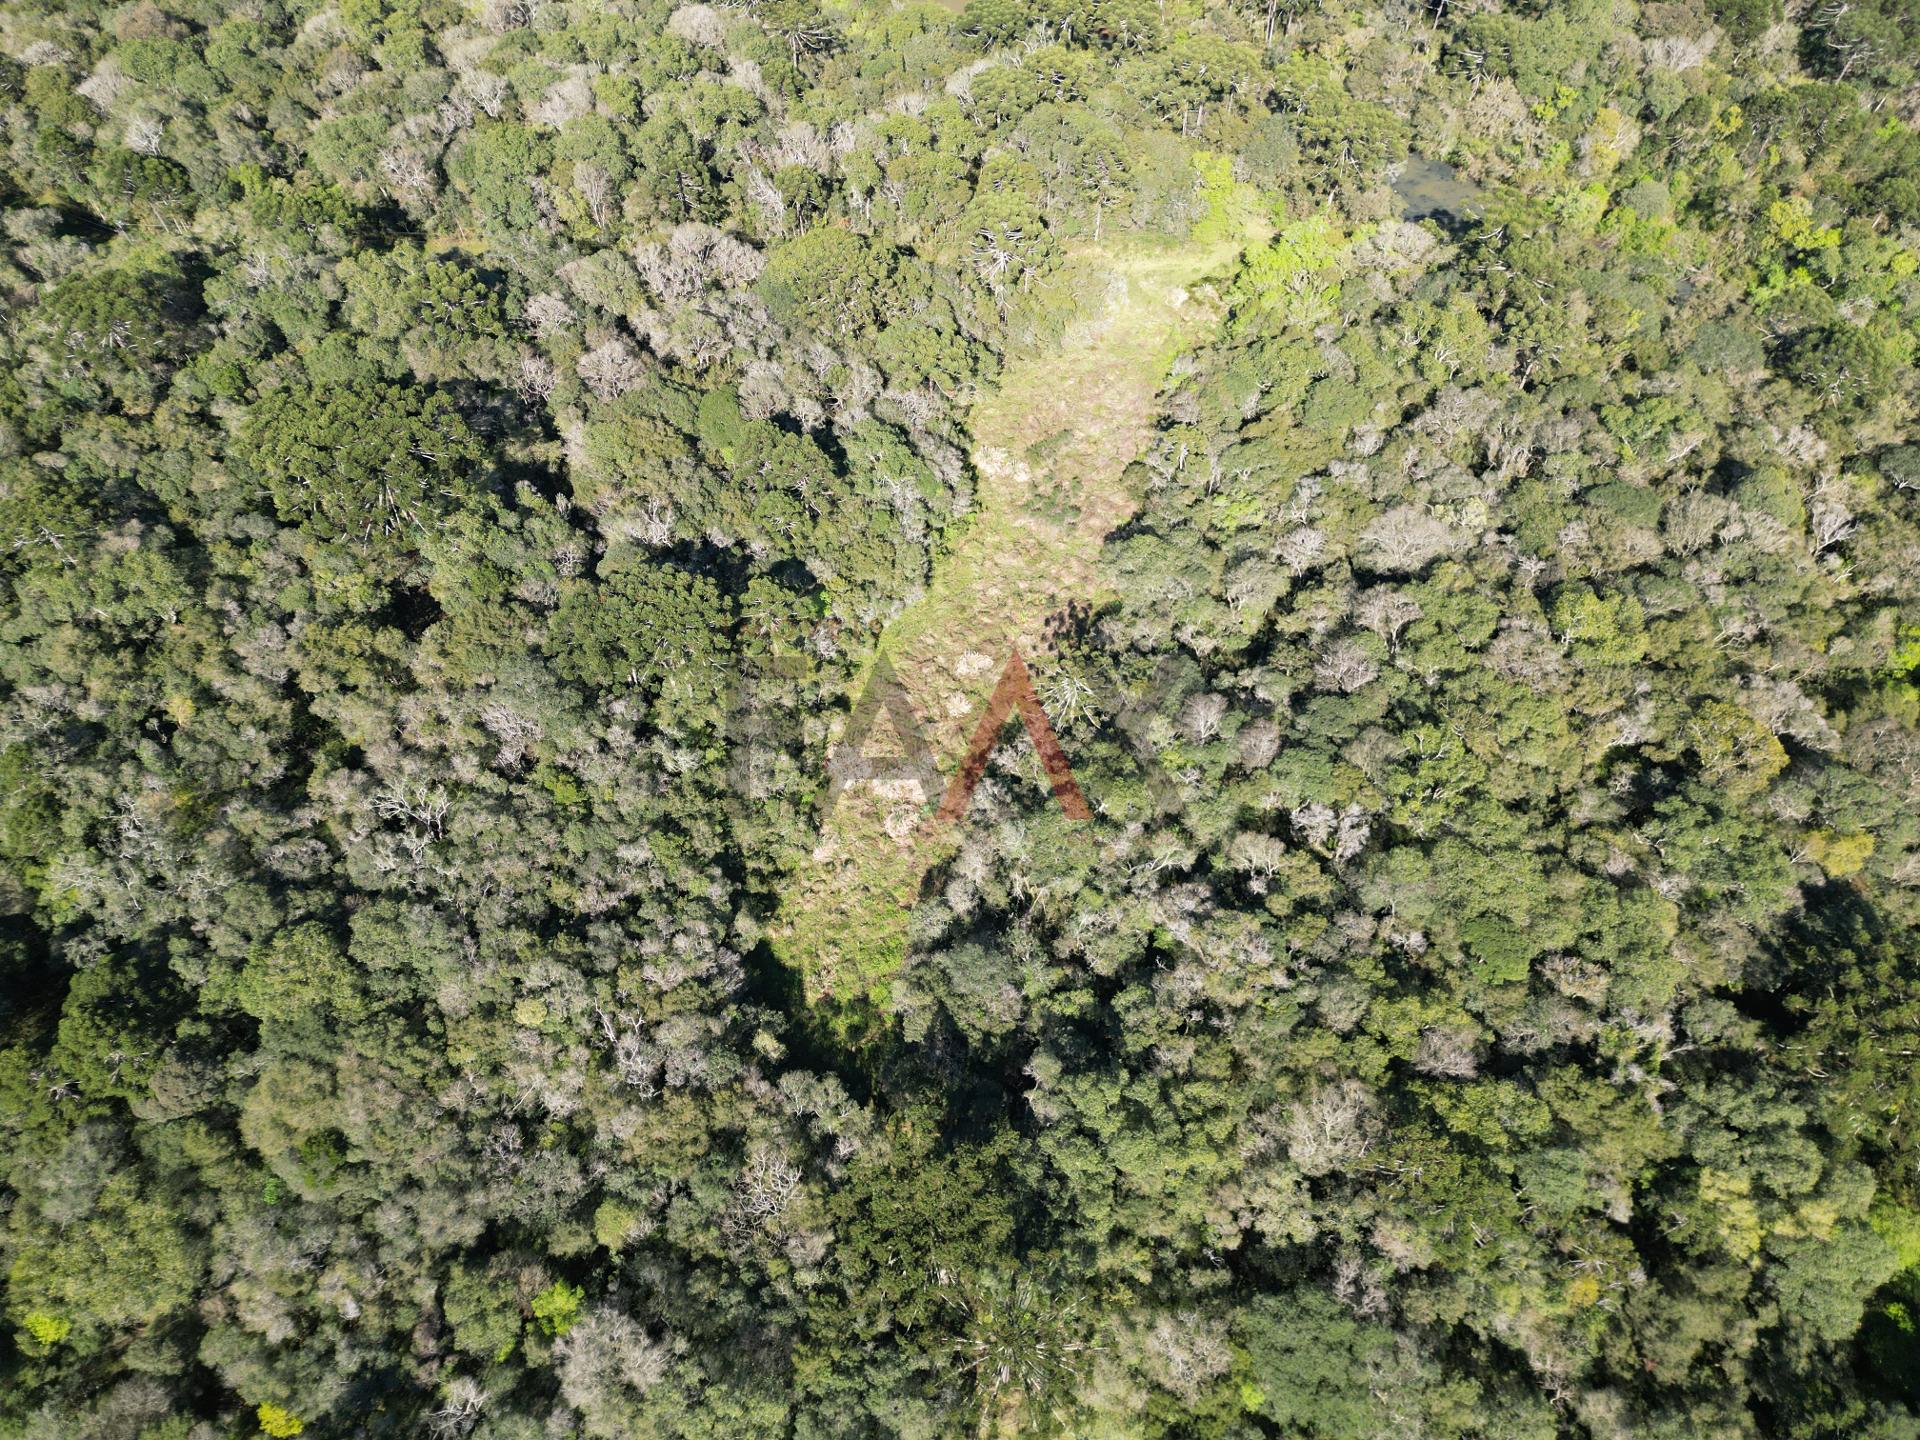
(1052, 444)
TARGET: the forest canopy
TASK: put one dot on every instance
(463, 464)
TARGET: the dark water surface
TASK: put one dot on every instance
(1431, 190)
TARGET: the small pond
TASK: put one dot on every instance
(1432, 190)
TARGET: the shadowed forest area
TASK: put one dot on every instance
(1452, 467)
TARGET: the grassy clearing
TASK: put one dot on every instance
(1051, 446)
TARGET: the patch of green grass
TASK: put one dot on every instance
(1051, 446)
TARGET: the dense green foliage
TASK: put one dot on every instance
(454, 461)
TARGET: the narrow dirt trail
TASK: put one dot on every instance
(1051, 445)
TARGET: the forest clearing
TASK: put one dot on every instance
(1052, 442)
